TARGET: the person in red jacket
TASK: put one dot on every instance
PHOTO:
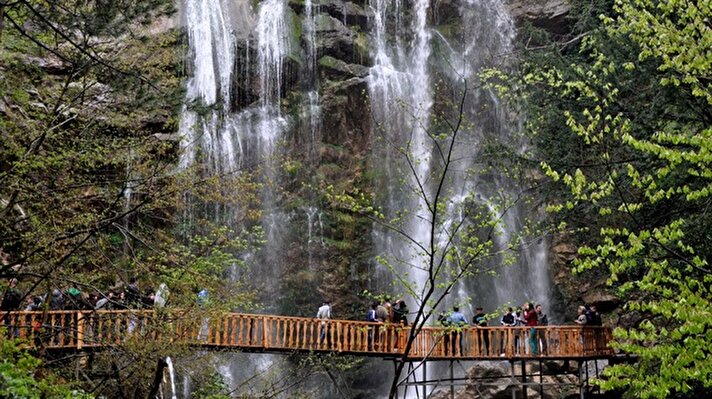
(531, 319)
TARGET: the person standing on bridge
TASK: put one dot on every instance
(11, 301)
(458, 321)
(382, 316)
(543, 321)
(480, 320)
(400, 313)
(371, 317)
(581, 319)
(531, 321)
(509, 319)
(324, 314)
(203, 298)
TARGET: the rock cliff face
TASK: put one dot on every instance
(347, 133)
(333, 148)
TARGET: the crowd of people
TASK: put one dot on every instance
(131, 296)
(72, 298)
(528, 315)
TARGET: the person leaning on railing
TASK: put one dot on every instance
(509, 319)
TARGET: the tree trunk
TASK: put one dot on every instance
(156, 384)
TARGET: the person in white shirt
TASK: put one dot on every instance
(324, 314)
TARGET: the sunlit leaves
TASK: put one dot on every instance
(635, 112)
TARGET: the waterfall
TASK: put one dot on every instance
(401, 89)
(172, 375)
(272, 47)
(401, 96)
(224, 135)
(241, 107)
(310, 13)
(212, 47)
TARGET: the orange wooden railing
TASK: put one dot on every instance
(96, 329)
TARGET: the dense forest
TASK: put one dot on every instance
(113, 191)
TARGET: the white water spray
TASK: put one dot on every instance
(172, 375)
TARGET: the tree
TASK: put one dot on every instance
(89, 96)
(20, 377)
(624, 126)
(465, 228)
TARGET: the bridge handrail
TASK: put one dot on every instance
(80, 329)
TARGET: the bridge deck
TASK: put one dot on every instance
(93, 330)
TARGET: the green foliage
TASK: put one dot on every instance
(20, 376)
(212, 387)
(623, 125)
(89, 94)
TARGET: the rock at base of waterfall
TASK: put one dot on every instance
(492, 380)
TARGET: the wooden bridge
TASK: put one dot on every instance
(96, 330)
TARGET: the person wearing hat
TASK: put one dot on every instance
(75, 300)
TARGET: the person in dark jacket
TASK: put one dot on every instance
(543, 321)
(480, 320)
(133, 294)
(76, 301)
(11, 301)
(400, 312)
(56, 300)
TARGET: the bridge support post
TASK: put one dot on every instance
(541, 378)
(514, 380)
(525, 395)
(598, 388)
(452, 379)
(425, 379)
(581, 382)
(80, 330)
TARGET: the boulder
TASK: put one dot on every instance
(604, 301)
(492, 380)
(346, 118)
(49, 64)
(335, 69)
(564, 252)
(334, 39)
(546, 14)
(351, 13)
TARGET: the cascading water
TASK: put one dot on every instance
(401, 98)
(401, 91)
(235, 118)
(172, 376)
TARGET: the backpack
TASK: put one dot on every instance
(590, 317)
(371, 315)
(543, 320)
(508, 319)
(444, 319)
